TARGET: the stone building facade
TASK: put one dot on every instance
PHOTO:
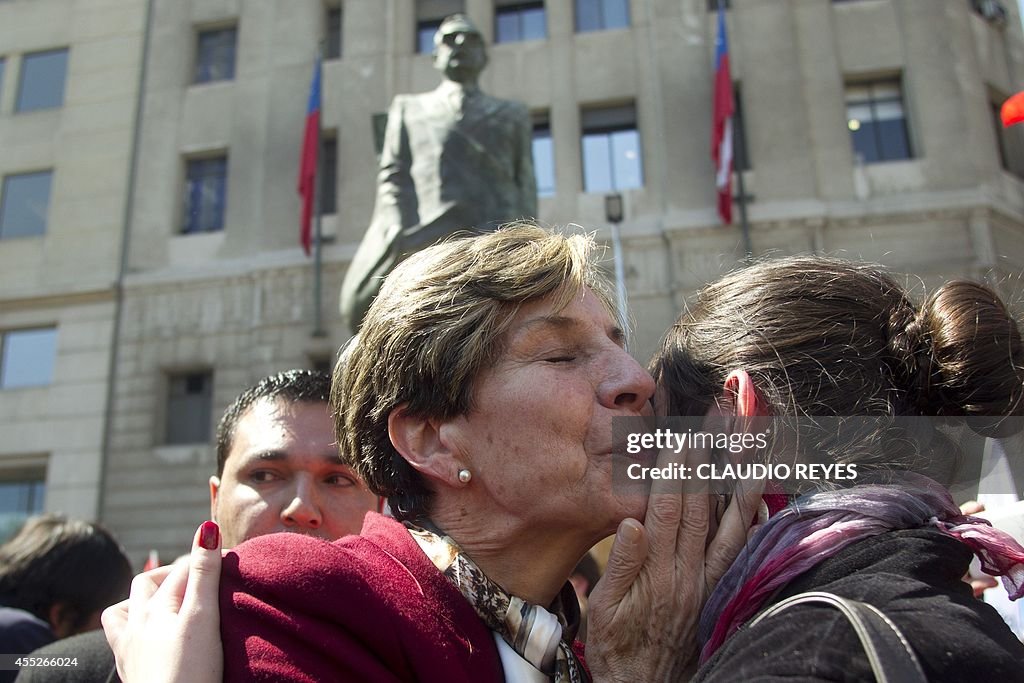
(171, 268)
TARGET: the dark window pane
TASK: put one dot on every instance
(506, 28)
(588, 15)
(42, 80)
(543, 160)
(24, 204)
(616, 13)
(28, 357)
(877, 122)
(215, 55)
(597, 163)
(892, 140)
(425, 31)
(534, 24)
(25, 497)
(189, 399)
(612, 157)
(18, 501)
(205, 195)
(625, 154)
(332, 46)
(864, 143)
(524, 21)
(328, 186)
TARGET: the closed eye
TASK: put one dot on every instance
(560, 359)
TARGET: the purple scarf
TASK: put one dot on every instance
(819, 525)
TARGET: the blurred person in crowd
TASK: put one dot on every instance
(278, 469)
(56, 577)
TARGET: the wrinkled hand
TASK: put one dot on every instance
(168, 630)
(645, 610)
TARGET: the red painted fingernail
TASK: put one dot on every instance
(209, 535)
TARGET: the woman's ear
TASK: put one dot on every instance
(742, 396)
(418, 440)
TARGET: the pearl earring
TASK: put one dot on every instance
(465, 475)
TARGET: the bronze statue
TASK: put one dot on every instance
(454, 159)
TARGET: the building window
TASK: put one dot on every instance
(1010, 143)
(515, 21)
(990, 10)
(206, 188)
(332, 41)
(24, 203)
(425, 31)
(215, 55)
(601, 15)
(189, 402)
(877, 122)
(329, 180)
(27, 357)
(713, 5)
(42, 80)
(611, 149)
(543, 156)
(20, 498)
(429, 15)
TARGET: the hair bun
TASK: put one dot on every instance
(970, 354)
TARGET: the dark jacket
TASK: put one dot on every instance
(914, 577)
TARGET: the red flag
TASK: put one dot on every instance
(721, 125)
(1013, 109)
(308, 160)
(152, 562)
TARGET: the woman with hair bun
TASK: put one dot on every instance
(814, 340)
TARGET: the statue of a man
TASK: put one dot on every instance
(453, 159)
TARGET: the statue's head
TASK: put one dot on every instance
(459, 50)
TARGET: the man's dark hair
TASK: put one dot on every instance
(55, 560)
(293, 386)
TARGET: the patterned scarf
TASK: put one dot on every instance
(541, 637)
(819, 525)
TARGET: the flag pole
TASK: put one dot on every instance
(318, 325)
(741, 124)
(744, 226)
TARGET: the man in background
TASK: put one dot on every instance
(278, 469)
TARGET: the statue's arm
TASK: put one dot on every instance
(524, 172)
(396, 192)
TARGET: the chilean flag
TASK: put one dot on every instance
(721, 125)
(308, 160)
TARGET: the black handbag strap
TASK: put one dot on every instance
(890, 655)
